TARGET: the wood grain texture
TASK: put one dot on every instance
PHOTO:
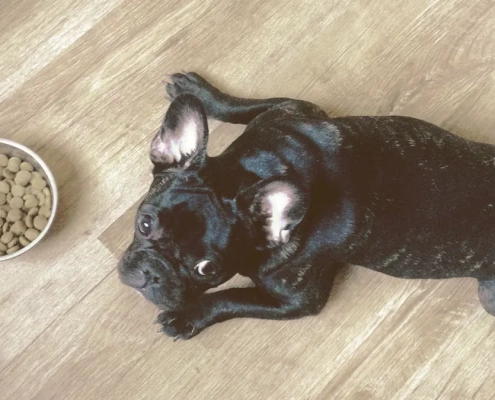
(81, 84)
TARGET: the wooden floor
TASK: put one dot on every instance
(81, 83)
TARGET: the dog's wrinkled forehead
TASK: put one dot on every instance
(187, 209)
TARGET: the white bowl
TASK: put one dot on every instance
(13, 149)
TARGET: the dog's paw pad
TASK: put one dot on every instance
(188, 82)
(176, 326)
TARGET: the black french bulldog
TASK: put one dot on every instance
(295, 198)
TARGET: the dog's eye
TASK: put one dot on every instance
(144, 225)
(206, 267)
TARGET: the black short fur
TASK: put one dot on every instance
(394, 194)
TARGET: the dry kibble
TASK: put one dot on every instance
(35, 211)
(7, 174)
(40, 222)
(43, 211)
(41, 198)
(12, 250)
(4, 160)
(23, 241)
(16, 202)
(31, 234)
(29, 221)
(30, 202)
(25, 166)
(7, 237)
(36, 175)
(18, 190)
(38, 183)
(23, 177)
(25, 204)
(14, 215)
(14, 164)
(18, 228)
(4, 187)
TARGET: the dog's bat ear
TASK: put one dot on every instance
(181, 141)
(279, 205)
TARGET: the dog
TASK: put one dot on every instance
(295, 198)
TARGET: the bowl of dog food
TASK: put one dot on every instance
(28, 199)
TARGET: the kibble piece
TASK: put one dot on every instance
(23, 241)
(4, 187)
(31, 202)
(41, 198)
(31, 234)
(38, 183)
(14, 164)
(2, 221)
(3, 214)
(18, 190)
(5, 207)
(46, 192)
(4, 160)
(25, 166)
(12, 250)
(48, 202)
(5, 227)
(9, 197)
(40, 222)
(16, 202)
(36, 175)
(18, 228)
(3, 198)
(35, 211)
(8, 174)
(3, 247)
(23, 177)
(6, 237)
(29, 221)
(34, 190)
(44, 211)
(12, 243)
(14, 215)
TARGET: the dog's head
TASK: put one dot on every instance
(183, 230)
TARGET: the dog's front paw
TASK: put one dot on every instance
(177, 325)
(192, 83)
(188, 82)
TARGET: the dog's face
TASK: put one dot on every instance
(182, 230)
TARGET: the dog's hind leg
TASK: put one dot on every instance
(486, 293)
(235, 110)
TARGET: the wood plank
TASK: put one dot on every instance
(80, 82)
